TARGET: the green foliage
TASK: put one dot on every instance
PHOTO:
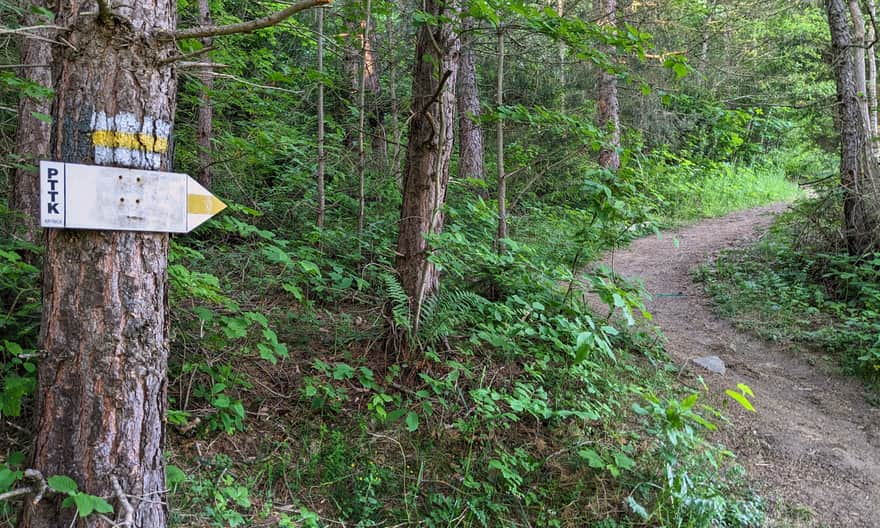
(19, 322)
(683, 189)
(84, 503)
(18, 373)
(691, 492)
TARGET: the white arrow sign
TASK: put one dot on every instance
(108, 198)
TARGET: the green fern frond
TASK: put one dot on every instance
(447, 311)
(400, 312)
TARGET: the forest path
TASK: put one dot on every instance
(814, 444)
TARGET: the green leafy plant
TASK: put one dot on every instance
(84, 503)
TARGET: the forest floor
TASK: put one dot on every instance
(813, 447)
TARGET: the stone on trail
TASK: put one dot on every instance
(712, 363)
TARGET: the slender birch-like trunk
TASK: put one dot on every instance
(321, 155)
(499, 145)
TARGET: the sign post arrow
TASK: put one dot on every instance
(108, 198)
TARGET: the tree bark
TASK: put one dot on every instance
(32, 134)
(859, 173)
(206, 107)
(470, 132)
(431, 130)
(607, 105)
(101, 396)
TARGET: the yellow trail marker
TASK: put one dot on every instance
(202, 204)
(114, 139)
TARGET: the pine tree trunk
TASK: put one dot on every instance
(101, 395)
(470, 132)
(32, 134)
(607, 105)
(206, 107)
(859, 173)
(431, 130)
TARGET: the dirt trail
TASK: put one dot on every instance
(814, 445)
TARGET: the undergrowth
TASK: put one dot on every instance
(525, 408)
(822, 298)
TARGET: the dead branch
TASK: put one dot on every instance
(186, 56)
(245, 27)
(123, 501)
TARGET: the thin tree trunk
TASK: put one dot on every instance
(206, 107)
(396, 131)
(871, 81)
(499, 145)
(321, 158)
(32, 134)
(704, 44)
(858, 51)
(431, 132)
(470, 132)
(560, 11)
(859, 174)
(366, 65)
(101, 396)
(607, 105)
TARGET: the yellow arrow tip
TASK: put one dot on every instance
(203, 204)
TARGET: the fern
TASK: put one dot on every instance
(400, 312)
(447, 311)
(441, 314)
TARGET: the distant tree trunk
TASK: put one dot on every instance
(607, 104)
(859, 173)
(206, 107)
(101, 395)
(560, 51)
(470, 132)
(359, 59)
(859, 54)
(32, 134)
(499, 145)
(431, 132)
(321, 158)
(396, 131)
(872, 82)
(367, 64)
(704, 44)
